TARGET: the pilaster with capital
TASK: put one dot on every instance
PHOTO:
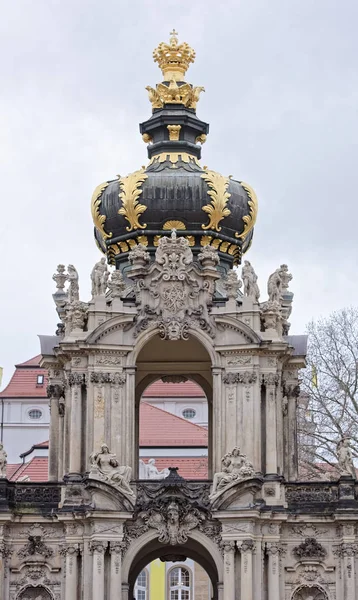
(55, 392)
(218, 419)
(270, 381)
(348, 553)
(98, 548)
(129, 451)
(5, 553)
(116, 392)
(273, 552)
(229, 569)
(246, 549)
(70, 553)
(115, 549)
(75, 380)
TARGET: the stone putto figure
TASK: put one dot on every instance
(73, 289)
(235, 467)
(99, 278)
(274, 287)
(249, 278)
(286, 277)
(3, 462)
(116, 284)
(105, 466)
(345, 459)
(150, 471)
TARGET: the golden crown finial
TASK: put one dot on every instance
(174, 58)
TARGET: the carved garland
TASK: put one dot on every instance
(98, 219)
(250, 219)
(129, 194)
(219, 195)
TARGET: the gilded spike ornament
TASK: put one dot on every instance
(129, 194)
(250, 219)
(217, 209)
(174, 60)
(98, 219)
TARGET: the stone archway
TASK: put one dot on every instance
(198, 548)
(188, 359)
(38, 592)
(306, 592)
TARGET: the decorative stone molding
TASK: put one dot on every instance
(5, 550)
(246, 546)
(246, 377)
(34, 546)
(117, 547)
(70, 549)
(270, 379)
(102, 378)
(275, 548)
(309, 548)
(55, 391)
(76, 379)
(110, 359)
(228, 546)
(346, 549)
(98, 546)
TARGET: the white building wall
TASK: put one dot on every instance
(20, 432)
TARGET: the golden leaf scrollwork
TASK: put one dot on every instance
(219, 195)
(129, 194)
(250, 219)
(98, 219)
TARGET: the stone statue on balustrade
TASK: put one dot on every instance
(3, 462)
(274, 287)
(345, 459)
(73, 292)
(116, 284)
(105, 467)
(99, 278)
(150, 471)
(235, 467)
(249, 278)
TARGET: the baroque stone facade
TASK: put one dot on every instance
(176, 310)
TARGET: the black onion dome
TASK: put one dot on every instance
(174, 190)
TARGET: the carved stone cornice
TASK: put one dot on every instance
(244, 377)
(98, 546)
(113, 378)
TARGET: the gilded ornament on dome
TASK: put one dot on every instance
(174, 132)
(173, 224)
(98, 219)
(217, 209)
(250, 219)
(129, 194)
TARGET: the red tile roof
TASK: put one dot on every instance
(158, 428)
(195, 467)
(159, 389)
(36, 470)
(23, 383)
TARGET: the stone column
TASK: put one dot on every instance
(273, 551)
(54, 393)
(117, 382)
(98, 548)
(246, 549)
(229, 570)
(70, 552)
(130, 453)
(270, 381)
(5, 552)
(115, 584)
(75, 380)
(217, 449)
(125, 591)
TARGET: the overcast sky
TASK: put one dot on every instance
(281, 99)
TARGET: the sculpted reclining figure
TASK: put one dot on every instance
(235, 467)
(104, 465)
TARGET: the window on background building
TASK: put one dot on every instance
(189, 413)
(179, 584)
(141, 586)
(35, 413)
(40, 379)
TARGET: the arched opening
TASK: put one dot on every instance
(178, 579)
(179, 365)
(180, 572)
(308, 592)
